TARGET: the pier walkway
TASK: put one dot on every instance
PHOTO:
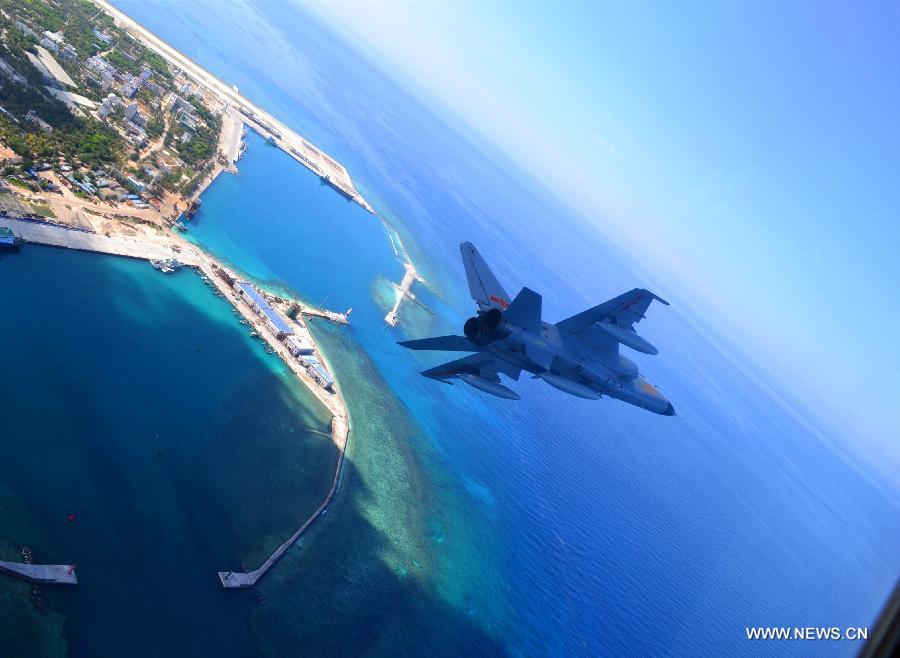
(58, 236)
(50, 574)
(403, 292)
(231, 137)
(337, 318)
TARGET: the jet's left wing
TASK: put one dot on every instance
(481, 364)
(445, 343)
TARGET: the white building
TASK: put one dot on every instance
(52, 41)
(109, 104)
(297, 345)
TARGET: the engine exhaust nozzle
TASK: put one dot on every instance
(485, 328)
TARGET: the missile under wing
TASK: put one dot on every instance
(579, 355)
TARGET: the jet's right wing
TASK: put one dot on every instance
(483, 285)
(625, 311)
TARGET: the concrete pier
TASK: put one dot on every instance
(403, 292)
(231, 138)
(57, 236)
(337, 318)
(48, 574)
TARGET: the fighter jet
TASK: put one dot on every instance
(578, 355)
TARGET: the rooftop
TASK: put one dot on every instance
(267, 310)
(53, 68)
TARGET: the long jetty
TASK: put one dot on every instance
(329, 169)
(48, 574)
(239, 579)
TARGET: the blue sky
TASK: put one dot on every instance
(748, 154)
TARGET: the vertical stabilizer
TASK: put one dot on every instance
(483, 285)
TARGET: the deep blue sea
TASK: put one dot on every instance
(465, 524)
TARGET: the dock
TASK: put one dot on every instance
(45, 574)
(332, 316)
(231, 138)
(70, 238)
(403, 292)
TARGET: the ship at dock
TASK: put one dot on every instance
(166, 265)
(9, 241)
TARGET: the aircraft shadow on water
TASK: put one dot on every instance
(579, 355)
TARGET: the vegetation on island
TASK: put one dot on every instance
(148, 131)
(82, 138)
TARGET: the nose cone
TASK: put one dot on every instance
(669, 411)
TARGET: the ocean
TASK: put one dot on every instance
(464, 524)
(138, 403)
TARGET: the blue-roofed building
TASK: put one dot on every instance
(275, 323)
(316, 369)
(321, 375)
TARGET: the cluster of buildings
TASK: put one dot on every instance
(101, 183)
(300, 349)
(56, 44)
(134, 123)
(109, 77)
(120, 84)
(185, 113)
(95, 182)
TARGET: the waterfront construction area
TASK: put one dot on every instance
(277, 321)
